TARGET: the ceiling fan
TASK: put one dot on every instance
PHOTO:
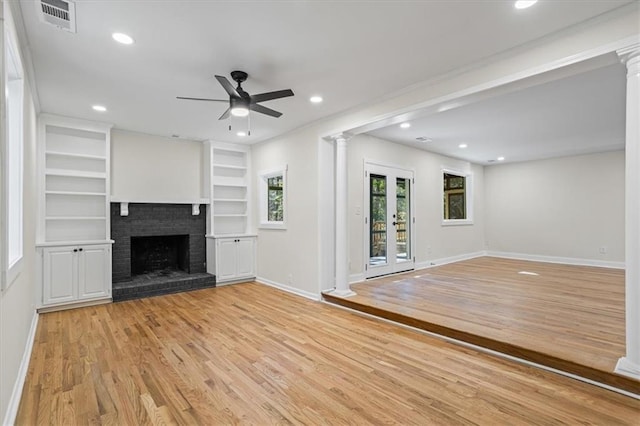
(240, 102)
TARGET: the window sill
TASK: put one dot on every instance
(272, 225)
(457, 222)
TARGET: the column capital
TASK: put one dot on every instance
(628, 53)
(340, 137)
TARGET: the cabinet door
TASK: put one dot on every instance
(226, 259)
(94, 272)
(60, 275)
(245, 262)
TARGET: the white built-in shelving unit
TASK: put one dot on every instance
(230, 240)
(73, 236)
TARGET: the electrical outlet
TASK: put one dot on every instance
(290, 279)
(603, 250)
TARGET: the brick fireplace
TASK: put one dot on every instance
(159, 248)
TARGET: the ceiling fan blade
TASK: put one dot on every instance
(226, 114)
(264, 110)
(202, 99)
(261, 97)
(227, 86)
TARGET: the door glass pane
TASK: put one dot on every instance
(403, 220)
(378, 222)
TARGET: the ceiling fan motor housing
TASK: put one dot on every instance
(239, 76)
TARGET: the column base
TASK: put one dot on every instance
(627, 368)
(341, 293)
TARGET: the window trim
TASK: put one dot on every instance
(263, 183)
(468, 197)
(11, 268)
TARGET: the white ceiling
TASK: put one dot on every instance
(350, 52)
(580, 114)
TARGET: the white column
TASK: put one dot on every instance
(629, 365)
(342, 216)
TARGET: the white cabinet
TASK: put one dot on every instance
(234, 258)
(75, 273)
(73, 232)
(60, 272)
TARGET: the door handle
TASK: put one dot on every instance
(394, 223)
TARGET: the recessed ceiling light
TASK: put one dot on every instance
(500, 158)
(405, 125)
(523, 4)
(315, 99)
(99, 108)
(241, 133)
(462, 145)
(122, 38)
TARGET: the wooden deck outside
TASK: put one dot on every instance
(250, 354)
(566, 317)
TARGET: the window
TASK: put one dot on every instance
(13, 159)
(456, 198)
(273, 198)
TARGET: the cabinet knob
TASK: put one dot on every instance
(75, 250)
(80, 249)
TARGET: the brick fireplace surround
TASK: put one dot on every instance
(146, 220)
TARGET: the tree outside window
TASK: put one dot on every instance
(457, 198)
(272, 187)
(275, 198)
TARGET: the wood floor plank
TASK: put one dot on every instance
(250, 354)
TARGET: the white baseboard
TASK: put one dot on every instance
(450, 259)
(627, 368)
(289, 289)
(16, 394)
(361, 276)
(555, 259)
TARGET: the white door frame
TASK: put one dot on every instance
(392, 266)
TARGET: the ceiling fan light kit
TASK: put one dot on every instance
(241, 102)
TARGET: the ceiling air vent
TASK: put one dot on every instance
(60, 13)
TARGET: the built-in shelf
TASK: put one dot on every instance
(230, 200)
(74, 165)
(74, 155)
(230, 167)
(229, 183)
(78, 193)
(74, 243)
(75, 173)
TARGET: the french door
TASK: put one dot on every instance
(389, 220)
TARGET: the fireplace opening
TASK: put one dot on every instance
(164, 254)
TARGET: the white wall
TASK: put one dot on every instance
(153, 168)
(563, 207)
(433, 241)
(289, 257)
(17, 303)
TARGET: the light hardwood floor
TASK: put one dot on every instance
(251, 354)
(565, 313)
